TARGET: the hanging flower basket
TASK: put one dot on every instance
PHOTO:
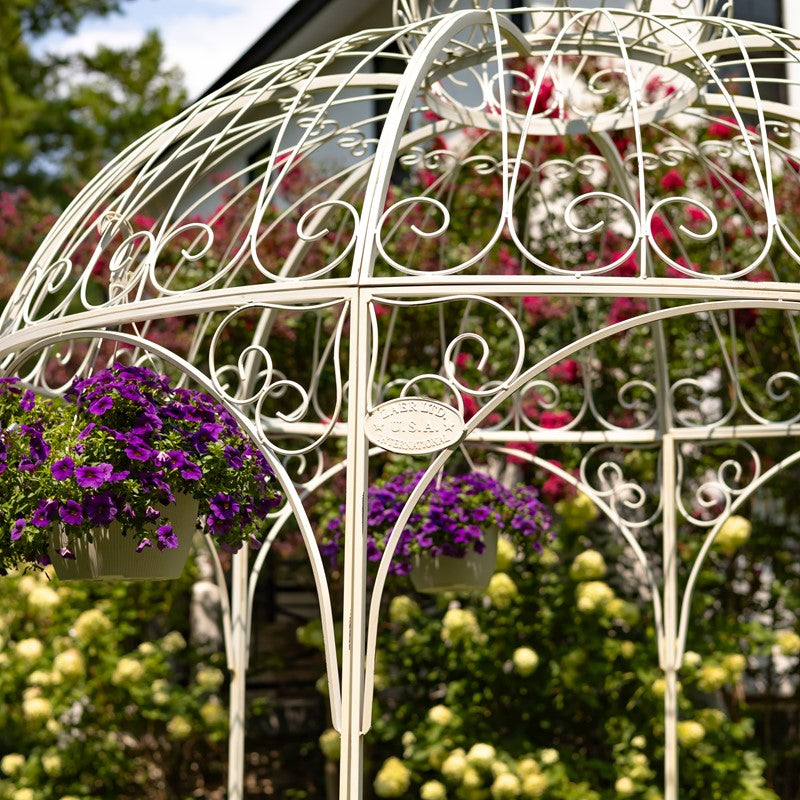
(110, 556)
(450, 540)
(108, 483)
(434, 574)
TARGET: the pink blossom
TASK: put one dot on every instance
(555, 487)
(567, 371)
(509, 263)
(426, 177)
(627, 269)
(543, 308)
(684, 262)
(696, 214)
(141, 222)
(723, 128)
(625, 308)
(672, 181)
(659, 230)
(555, 419)
(522, 447)
(471, 407)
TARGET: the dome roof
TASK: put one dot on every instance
(542, 152)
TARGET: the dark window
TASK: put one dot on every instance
(767, 12)
(769, 70)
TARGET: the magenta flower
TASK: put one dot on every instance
(63, 468)
(138, 450)
(233, 457)
(93, 477)
(100, 405)
(187, 469)
(45, 513)
(26, 403)
(17, 528)
(167, 540)
(86, 431)
(38, 449)
(100, 509)
(71, 513)
(223, 506)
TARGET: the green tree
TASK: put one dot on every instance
(62, 117)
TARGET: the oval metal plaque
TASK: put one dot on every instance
(413, 425)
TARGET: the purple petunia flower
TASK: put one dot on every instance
(148, 421)
(191, 472)
(211, 430)
(138, 449)
(100, 509)
(93, 476)
(145, 542)
(187, 469)
(233, 457)
(45, 513)
(167, 540)
(17, 528)
(86, 431)
(223, 506)
(63, 468)
(71, 513)
(161, 458)
(38, 449)
(131, 392)
(65, 552)
(26, 403)
(100, 405)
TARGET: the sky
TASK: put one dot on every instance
(202, 37)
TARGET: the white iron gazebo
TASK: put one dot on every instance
(617, 153)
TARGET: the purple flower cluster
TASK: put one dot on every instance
(450, 518)
(24, 452)
(118, 449)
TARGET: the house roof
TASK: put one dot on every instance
(307, 24)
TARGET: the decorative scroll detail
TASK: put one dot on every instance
(713, 494)
(603, 470)
(255, 382)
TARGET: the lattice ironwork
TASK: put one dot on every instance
(614, 157)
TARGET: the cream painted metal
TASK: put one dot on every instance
(342, 247)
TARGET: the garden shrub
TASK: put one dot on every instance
(100, 694)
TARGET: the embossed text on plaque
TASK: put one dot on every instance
(414, 425)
